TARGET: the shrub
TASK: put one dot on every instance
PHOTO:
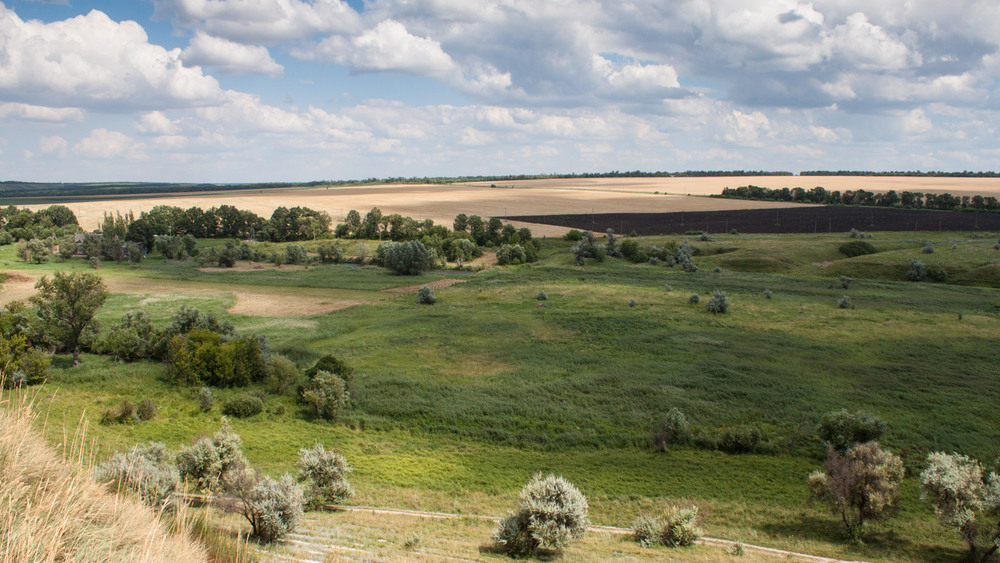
(282, 375)
(330, 253)
(844, 302)
(133, 338)
(332, 364)
(242, 405)
(680, 528)
(272, 506)
(144, 470)
(767, 293)
(694, 299)
(718, 304)
(206, 399)
(213, 462)
(740, 439)
(963, 500)
(857, 248)
(574, 235)
(853, 233)
(542, 296)
(551, 513)
(295, 254)
(326, 472)
(667, 287)
(425, 296)
(845, 282)
(673, 430)
(511, 255)
(647, 530)
(717, 270)
(861, 485)
(405, 258)
(631, 303)
(842, 429)
(917, 271)
(327, 395)
(123, 414)
(146, 410)
(928, 248)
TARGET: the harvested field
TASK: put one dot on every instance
(440, 203)
(802, 219)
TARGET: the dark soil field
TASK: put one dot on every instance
(784, 220)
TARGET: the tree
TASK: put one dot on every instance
(406, 258)
(67, 304)
(842, 429)
(551, 514)
(861, 485)
(954, 485)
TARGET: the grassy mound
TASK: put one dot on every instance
(53, 510)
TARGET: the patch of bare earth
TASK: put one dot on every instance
(824, 264)
(267, 305)
(436, 284)
(17, 287)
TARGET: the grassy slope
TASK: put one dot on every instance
(457, 404)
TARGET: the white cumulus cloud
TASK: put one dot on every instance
(102, 143)
(229, 57)
(261, 21)
(30, 112)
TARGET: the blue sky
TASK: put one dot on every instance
(297, 90)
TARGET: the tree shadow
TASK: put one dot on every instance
(541, 554)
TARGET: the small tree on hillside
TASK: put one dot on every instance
(551, 514)
(964, 501)
(862, 485)
(67, 304)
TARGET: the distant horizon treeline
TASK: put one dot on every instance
(907, 199)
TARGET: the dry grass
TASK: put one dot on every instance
(51, 509)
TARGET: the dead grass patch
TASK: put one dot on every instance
(436, 284)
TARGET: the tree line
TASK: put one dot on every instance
(906, 199)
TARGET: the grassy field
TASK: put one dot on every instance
(455, 406)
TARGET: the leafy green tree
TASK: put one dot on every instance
(327, 394)
(964, 501)
(67, 304)
(38, 251)
(406, 258)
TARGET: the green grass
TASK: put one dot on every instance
(455, 406)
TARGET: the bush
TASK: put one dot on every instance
(295, 254)
(330, 253)
(405, 258)
(327, 395)
(928, 248)
(694, 299)
(673, 430)
(332, 364)
(213, 462)
(680, 528)
(146, 410)
(243, 405)
(511, 255)
(861, 485)
(574, 235)
(647, 530)
(857, 248)
(123, 414)
(767, 293)
(133, 338)
(963, 500)
(718, 304)
(631, 303)
(206, 399)
(326, 472)
(272, 506)
(842, 429)
(282, 375)
(551, 513)
(844, 302)
(845, 282)
(144, 470)
(542, 296)
(853, 233)
(917, 271)
(425, 296)
(740, 439)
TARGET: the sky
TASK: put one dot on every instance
(303, 90)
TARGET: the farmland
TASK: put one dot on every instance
(455, 406)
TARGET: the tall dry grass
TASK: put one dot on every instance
(51, 509)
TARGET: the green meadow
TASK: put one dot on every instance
(454, 406)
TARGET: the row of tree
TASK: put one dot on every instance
(907, 199)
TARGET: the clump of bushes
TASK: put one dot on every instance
(674, 429)
(511, 255)
(206, 399)
(405, 258)
(718, 304)
(243, 405)
(327, 394)
(587, 247)
(144, 470)
(845, 282)
(928, 248)
(212, 463)
(124, 413)
(917, 271)
(631, 303)
(425, 296)
(272, 506)
(842, 429)
(767, 293)
(677, 528)
(741, 439)
(551, 514)
(542, 296)
(572, 235)
(857, 248)
(694, 299)
(844, 302)
(326, 472)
